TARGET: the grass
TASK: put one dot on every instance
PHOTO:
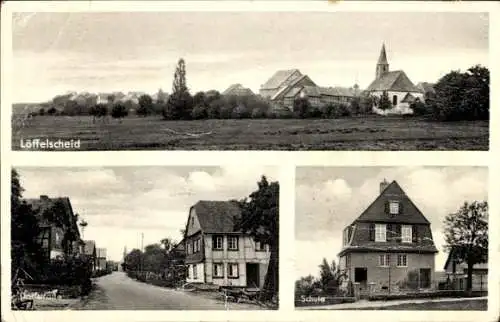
(469, 305)
(358, 133)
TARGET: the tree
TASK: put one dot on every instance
(145, 105)
(330, 277)
(384, 102)
(52, 111)
(25, 251)
(259, 219)
(180, 103)
(168, 244)
(355, 105)
(119, 111)
(466, 235)
(462, 96)
(199, 112)
(132, 260)
(41, 112)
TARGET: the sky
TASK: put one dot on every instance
(121, 203)
(132, 51)
(328, 199)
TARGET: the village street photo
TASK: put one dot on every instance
(243, 80)
(392, 238)
(144, 238)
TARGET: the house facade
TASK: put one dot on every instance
(216, 253)
(90, 253)
(101, 258)
(59, 235)
(389, 246)
(320, 96)
(456, 273)
(399, 88)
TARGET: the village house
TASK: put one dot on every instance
(456, 273)
(101, 258)
(59, 235)
(216, 253)
(387, 243)
(90, 252)
(238, 90)
(399, 88)
(286, 86)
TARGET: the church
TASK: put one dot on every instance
(400, 89)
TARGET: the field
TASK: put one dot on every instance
(358, 133)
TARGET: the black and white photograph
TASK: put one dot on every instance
(144, 238)
(245, 80)
(392, 238)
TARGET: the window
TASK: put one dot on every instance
(195, 272)
(394, 100)
(406, 233)
(380, 233)
(217, 242)
(218, 270)
(197, 245)
(192, 221)
(384, 260)
(260, 246)
(232, 270)
(233, 243)
(402, 261)
(394, 207)
(189, 248)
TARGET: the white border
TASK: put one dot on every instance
(287, 160)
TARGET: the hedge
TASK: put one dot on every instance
(434, 294)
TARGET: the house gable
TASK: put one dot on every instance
(193, 224)
(378, 210)
(281, 78)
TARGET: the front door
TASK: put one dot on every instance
(361, 277)
(425, 277)
(253, 279)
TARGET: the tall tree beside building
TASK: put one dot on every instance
(145, 105)
(384, 102)
(25, 252)
(180, 103)
(259, 219)
(466, 232)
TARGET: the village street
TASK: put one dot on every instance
(119, 292)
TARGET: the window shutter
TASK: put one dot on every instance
(401, 208)
(387, 211)
(372, 232)
(414, 233)
(214, 242)
(390, 233)
(399, 233)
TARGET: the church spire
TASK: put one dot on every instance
(382, 64)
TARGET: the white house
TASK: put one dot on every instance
(218, 254)
(400, 89)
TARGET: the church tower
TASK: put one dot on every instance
(382, 64)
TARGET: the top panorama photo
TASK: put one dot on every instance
(250, 81)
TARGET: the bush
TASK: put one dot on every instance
(419, 108)
(241, 112)
(258, 113)
(199, 112)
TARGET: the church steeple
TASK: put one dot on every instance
(382, 64)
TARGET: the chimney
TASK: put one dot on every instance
(383, 185)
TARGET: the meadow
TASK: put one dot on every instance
(355, 133)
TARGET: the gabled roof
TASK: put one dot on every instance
(376, 211)
(279, 78)
(408, 98)
(395, 81)
(426, 87)
(40, 205)
(293, 85)
(217, 216)
(237, 89)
